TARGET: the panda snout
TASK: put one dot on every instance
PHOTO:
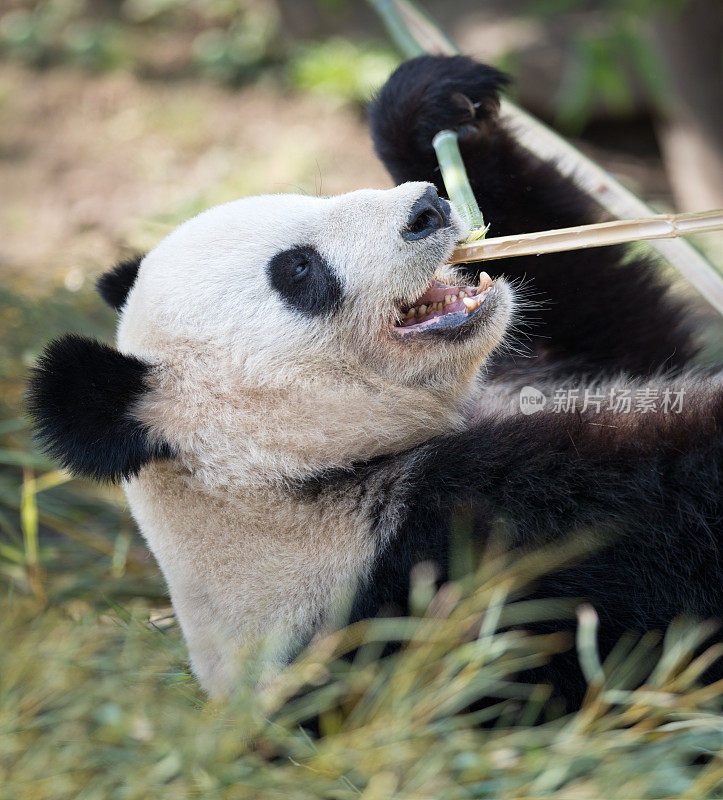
(428, 214)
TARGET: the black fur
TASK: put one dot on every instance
(607, 311)
(385, 590)
(649, 486)
(376, 488)
(81, 397)
(305, 281)
(115, 284)
(653, 485)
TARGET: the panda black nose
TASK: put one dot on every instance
(429, 213)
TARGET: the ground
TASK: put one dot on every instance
(95, 167)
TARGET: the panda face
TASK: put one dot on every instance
(283, 334)
(281, 284)
(263, 345)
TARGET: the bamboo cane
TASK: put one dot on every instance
(661, 226)
(415, 33)
(455, 178)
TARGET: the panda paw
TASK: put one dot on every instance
(432, 93)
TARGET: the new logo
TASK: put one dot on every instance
(531, 400)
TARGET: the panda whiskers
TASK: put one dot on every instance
(522, 320)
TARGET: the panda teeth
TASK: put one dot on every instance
(471, 296)
(473, 303)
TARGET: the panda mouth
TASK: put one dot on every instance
(442, 307)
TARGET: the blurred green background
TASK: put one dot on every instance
(120, 119)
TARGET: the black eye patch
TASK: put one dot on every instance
(305, 281)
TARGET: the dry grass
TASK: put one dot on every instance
(98, 704)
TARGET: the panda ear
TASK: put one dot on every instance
(82, 396)
(114, 285)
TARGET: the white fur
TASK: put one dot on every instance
(253, 394)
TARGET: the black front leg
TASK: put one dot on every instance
(600, 308)
(650, 487)
(653, 482)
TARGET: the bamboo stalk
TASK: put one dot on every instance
(615, 198)
(29, 526)
(415, 33)
(455, 178)
(661, 226)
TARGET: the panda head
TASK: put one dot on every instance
(273, 336)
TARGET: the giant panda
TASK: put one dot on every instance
(301, 394)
